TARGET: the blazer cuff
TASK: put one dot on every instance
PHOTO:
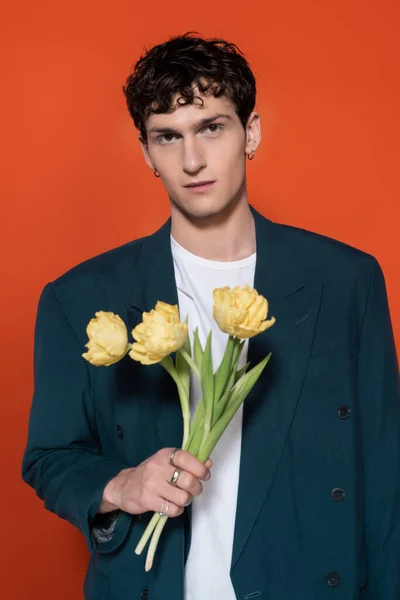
(109, 530)
(103, 526)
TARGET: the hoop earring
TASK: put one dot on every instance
(156, 173)
(251, 155)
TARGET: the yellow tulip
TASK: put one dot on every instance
(241, 312)
(160, 333)
(108, 339)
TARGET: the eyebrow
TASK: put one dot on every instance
(200, 124)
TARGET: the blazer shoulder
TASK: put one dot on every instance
(102, 282)
(109, 265)
(346, 272)
(323, 255)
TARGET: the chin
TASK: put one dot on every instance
(204, 210)
(203, 206)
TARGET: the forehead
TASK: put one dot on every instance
(187, 115)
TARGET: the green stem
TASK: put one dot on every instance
(206, 432)
(156, 524)
(190, 361)
(198, 416)
(168, 365)
(196, 440)
(148, 531)
(154, 542)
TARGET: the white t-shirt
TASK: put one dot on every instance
(213, 512)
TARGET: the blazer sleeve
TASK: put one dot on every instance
(379, 400)
(62, 459)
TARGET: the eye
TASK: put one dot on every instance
(217, 125)
(165, 138)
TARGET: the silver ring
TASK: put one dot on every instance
(171, 457)
(164, 508)
(174, 478)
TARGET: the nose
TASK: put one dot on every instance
(193, 156)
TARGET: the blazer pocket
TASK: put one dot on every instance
(333, 364)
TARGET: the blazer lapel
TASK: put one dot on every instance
(270, 407)
(155, 280)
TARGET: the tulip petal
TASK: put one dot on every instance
(241, 311)
(160, 333)
(108, 339)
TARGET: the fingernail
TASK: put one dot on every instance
(208, 476)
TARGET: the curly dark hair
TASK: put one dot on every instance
(213, 65)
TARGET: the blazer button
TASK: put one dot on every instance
(333, 579)
(337, 494)
(120, 431)
(343, 411)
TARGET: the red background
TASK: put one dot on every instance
(75, 183)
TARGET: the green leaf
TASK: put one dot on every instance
(196, 438)
(223, 372)
(246, 384)
(181, 364)
(238, 395)
(197, 349)
(223, 401)
(231, 380)
(241, 371)
(241, 343)
(207, 385)
(198, 418)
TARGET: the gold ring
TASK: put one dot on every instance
(171, 458)
(164, 509)
(174, 478)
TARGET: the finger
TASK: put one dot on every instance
(170, 510)
(176, 495)
(166, 452)
(188, 462)
(186, 481)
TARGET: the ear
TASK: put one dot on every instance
(145, 150)
(253, 132)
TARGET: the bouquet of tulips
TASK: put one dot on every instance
(239, 312)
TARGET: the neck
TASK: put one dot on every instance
(226, 236)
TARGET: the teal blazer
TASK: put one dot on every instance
(318, 512)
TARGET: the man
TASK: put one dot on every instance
(304, 498)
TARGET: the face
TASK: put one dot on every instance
(204, 143)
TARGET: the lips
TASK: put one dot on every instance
(199, 184)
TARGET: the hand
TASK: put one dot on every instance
(143, 488)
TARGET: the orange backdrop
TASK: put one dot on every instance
(75, 183)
